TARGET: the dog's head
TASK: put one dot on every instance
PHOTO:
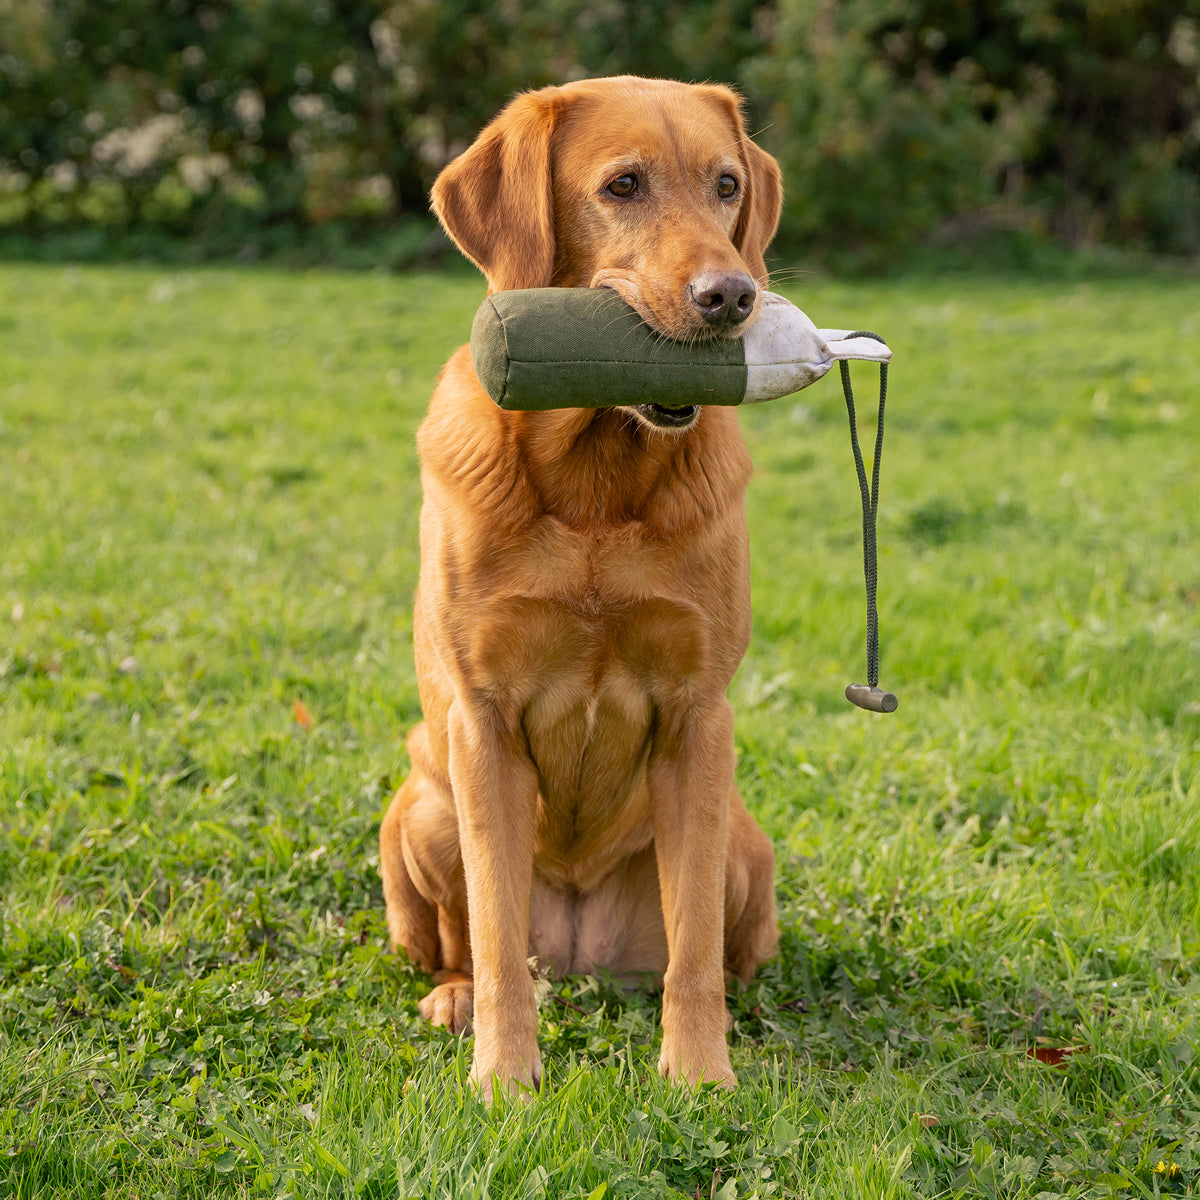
(647, 186)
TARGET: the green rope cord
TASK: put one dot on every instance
(870, 505)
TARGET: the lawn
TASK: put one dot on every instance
(989, 976)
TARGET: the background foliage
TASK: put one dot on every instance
(260, 125)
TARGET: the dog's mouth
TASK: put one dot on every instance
(674, 418)
(662, 417)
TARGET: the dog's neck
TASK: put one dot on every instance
(606, 468)
(593, 470)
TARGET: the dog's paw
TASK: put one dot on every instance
(450, 1004)
(515, 1076)
(694, 1066)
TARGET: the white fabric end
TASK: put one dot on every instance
(842, 345)
(785, 351)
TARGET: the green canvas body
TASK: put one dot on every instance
(586, 348)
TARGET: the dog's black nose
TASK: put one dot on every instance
(723, 299)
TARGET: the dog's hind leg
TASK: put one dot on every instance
(751, 930)
(426, 896)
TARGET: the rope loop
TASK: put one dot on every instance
(871, 697)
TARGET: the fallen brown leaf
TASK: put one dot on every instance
(1055, 1056)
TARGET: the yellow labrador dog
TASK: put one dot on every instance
(584, 598)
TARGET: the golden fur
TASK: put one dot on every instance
(584, 601)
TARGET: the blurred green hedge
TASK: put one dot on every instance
(252, 125)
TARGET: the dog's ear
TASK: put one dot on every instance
(763, 197)
(496, 200)
(759, 217)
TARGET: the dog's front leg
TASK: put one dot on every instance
(495, 793)
(691, 774)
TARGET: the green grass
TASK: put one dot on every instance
(208, 514)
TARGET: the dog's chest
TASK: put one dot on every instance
(591, 645)
(588, 632)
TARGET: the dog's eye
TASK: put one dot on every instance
(727, 187)
(623, 186)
